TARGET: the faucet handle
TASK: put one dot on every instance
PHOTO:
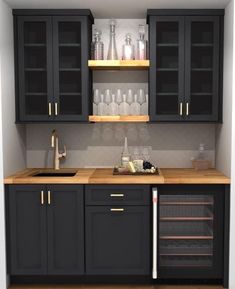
(64, 152)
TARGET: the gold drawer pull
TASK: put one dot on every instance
(117, 195)
(117, 210)
(49, 197)
(42, 198)
(56, 108)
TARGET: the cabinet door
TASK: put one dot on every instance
(166, 79)
(190, 226)
(71, 75)
(65, 230)
(117, 242)
(34, 68)
(202, 44)
(27, 221)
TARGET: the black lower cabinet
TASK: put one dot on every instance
(65, 230)
(117, 240)
(46, 233)
(27, 231)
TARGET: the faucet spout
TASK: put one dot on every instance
(57, 154)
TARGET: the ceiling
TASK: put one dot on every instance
(118, 8)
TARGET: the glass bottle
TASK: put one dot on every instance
(125, 154)
(141, 44)
(97, 46)
(128, 49)
(112, 51)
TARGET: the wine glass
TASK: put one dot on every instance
(107, 100)
(119, 98)
(96, 97)
(141, 96)
(129, 98)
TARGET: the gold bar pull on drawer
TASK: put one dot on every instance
(117, 210)
(42, 198)
(181, 108)
(49, 197)
(56, 108)
(187, 108)
(117, 195)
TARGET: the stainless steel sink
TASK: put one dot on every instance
(55, 174)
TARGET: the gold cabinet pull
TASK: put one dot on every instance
(49, 109)
(117, 210)
(56, 108)
(187, 108)
(49, 197)
(181, 108)
(117, 195)
(42, 197)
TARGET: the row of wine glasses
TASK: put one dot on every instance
(128, 103)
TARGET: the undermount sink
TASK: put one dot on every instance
(55, 174)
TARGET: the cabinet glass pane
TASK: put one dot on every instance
(70, 84)
(186, 230)
(167, 68)
(35, 68)
(202, 54)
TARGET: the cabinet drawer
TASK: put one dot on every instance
(117, 195)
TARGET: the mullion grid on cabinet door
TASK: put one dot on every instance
(202, 60)
(68, 63)
(167, 60)
(34, 55)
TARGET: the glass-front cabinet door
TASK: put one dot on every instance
(35, 68)
(70, 43)
(190, 234)
(167, 67)
(202, 67)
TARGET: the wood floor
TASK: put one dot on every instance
(115, 287)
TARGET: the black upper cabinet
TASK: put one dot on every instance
(185, 80)
(52, 76)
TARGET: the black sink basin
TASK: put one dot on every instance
(55, 174)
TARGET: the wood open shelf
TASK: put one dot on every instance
(119, 64)
(118, 118)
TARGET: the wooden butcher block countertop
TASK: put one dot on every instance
(105, 176)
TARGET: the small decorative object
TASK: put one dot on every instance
(97, 46)
(112, 51)
(128, 49)
(125, 154)
(201, 163)
(141, 50)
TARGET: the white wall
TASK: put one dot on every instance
(224, 131)
(14, 136)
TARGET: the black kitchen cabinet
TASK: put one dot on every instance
(51, 53)
(46, 230)
(191, 231)
(186, 51)
(27, 230)
(117, 234)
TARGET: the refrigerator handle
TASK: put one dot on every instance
(155, 224)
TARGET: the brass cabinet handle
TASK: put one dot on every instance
(187, 108)
(117, 210)
(42, 197)
(117, 195)
(56, 108)
(49, 109)
(49, 197)
(181, 108)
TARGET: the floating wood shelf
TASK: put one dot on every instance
(119, 64)
(119, 118)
